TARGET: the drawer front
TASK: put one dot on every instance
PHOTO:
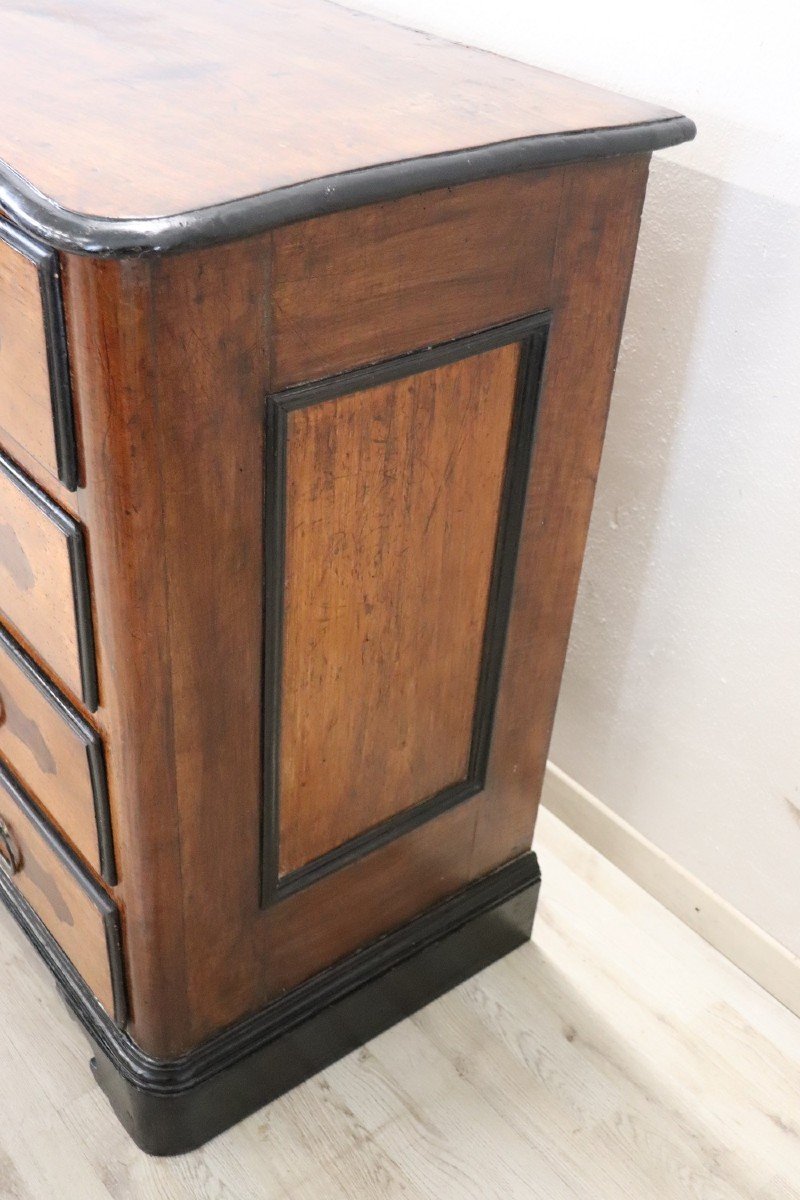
(357, 287)
(56, 755)
(77, 912)
(35, 397)
(44, 592)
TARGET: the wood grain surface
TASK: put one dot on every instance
(49, 757)
(177, 552)
(174, 469)
(591, 275)
(26, 415)
(360, 286)
(62, 903)
(37, 600)
(110, 318)
(146, 109)
(391, 521)
(171, 363)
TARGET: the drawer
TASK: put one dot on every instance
(44, 590)
(56, 755)
(74, 908)
(35, 396)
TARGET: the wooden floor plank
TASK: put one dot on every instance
(616, 1056)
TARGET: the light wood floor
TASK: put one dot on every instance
(616, 1056)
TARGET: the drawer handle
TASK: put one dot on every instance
(10, 857)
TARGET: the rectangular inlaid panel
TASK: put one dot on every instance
(361, 286)
(35, 402)
(393, 532)
(75, 909)
(44, 595)
(56, 755)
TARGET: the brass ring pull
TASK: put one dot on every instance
(10, 857)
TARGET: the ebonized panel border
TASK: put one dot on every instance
(171, 1106)
(76, 549)
(94, 893)
(93, 743)
(112, 237)
(531, 332)
(45, 259)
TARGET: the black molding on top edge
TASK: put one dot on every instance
(81, 596)
(170, 1107)
(110, 237)
(45, 259)
(531, 333)
(94, 892)
(93, 743)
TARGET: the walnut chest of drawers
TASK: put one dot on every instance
(308, 326)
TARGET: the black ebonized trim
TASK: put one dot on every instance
(83, 617)
(81, 233)
(95, 754)
(274, 545)
(93, 743)
(511, 512)
(531, 332)
(93, 891)
(169, 1107)
(45, 259)
(76, 550)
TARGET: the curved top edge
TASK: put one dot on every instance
(107, 237)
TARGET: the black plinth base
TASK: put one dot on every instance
(171, 1107)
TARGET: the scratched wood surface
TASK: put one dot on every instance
(144, 109)
(616, 1056)
(392, 505)
(359, 286)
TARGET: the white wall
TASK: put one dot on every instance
(681, 700)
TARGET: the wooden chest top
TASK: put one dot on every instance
(145, 126)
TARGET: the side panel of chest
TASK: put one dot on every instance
(334, 566)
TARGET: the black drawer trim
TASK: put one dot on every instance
(81, 596)
(93, 744)
(94, 892)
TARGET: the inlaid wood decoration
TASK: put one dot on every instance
(392, 527)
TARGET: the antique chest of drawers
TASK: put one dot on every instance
(308, 327)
